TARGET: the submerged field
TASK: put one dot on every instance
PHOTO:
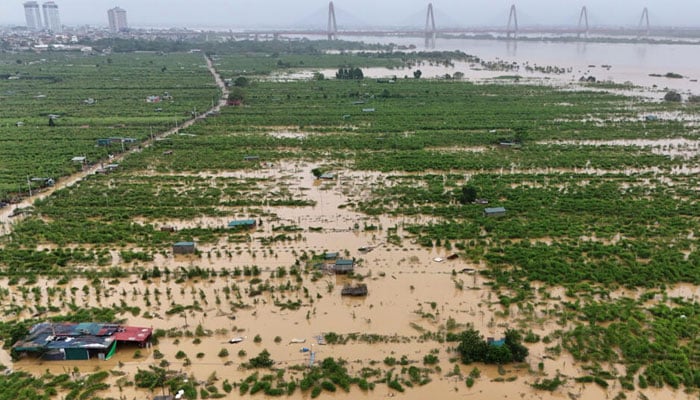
(594, 264)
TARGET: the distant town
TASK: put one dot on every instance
(43, 31)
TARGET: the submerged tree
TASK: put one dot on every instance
(473, 348)
(349, 73)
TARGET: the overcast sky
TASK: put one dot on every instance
(235, 14)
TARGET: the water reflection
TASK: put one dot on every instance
(641, 52)
(512, 48)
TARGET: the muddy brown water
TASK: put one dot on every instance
(410, 293)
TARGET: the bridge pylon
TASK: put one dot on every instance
(512, 28)
(332, 25)
(430, 31)
(644, 22)
(583, 22)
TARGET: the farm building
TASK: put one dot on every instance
(330, 256)
(242, 223)
(495, 212)
(328, 176)
(359, 290)
(184, 248)
(168, 228)
(251, 158)
(80, 341)
(344, 266)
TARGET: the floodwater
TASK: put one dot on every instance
(675, 148)
(627, 62)
(409, 291)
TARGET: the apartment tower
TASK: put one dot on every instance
(117, 19)
(32, 15)
(51, 20)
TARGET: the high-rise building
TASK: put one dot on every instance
(32, 15)
(51, 20)
(117, 19)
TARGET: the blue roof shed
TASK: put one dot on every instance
(247, 223)
(494, 211)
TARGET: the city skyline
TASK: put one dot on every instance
(247, 13)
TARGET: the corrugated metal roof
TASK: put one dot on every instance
(241, 222)
(494, 210)
(86, 335)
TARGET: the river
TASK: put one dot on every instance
(629, 62)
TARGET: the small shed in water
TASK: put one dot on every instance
(494, 212)
(184, 248)
(243, 223)
(357, 291)
(344, 266)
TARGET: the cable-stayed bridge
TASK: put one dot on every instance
(432, 29)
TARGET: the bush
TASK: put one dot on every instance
(262, 360)
(673, 96)
(430, 359)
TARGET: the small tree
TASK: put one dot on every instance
(237, 95)
(518, 351)
(468, 195)
(472, 348)
(262, 360)
(673, 96)
(417, 74)
(241, 81)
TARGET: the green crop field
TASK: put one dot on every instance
(94, 97)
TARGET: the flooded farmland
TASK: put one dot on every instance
(451, 222)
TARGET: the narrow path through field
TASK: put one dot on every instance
(70, 180)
